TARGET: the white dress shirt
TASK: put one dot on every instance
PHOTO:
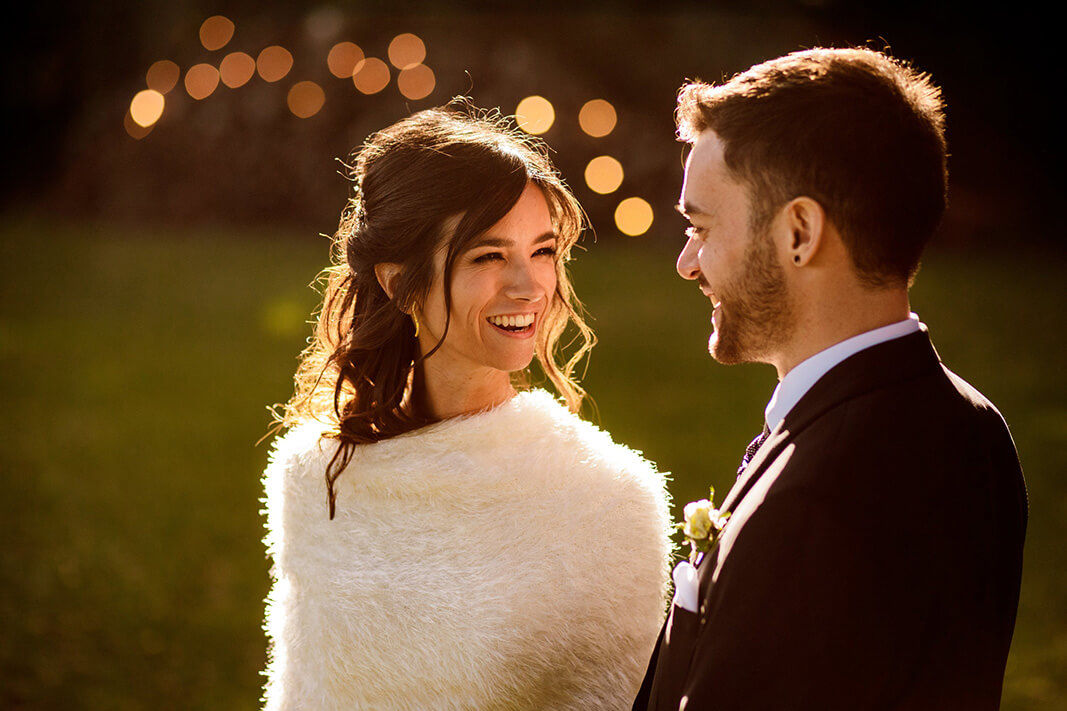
(800, 379)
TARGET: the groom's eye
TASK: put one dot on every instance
(695, 232)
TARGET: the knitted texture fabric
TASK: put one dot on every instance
(512, 559)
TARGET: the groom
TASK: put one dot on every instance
(873, 552)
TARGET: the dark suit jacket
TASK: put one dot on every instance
(873, 555)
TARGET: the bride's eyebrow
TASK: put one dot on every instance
(489, 241)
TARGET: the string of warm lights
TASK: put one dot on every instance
(345, 60)
(603, 174)
(369, 75)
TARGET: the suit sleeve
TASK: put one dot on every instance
(808, 612)
(642, 698)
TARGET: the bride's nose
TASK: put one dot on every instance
(521, 283)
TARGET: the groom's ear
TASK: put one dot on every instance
(805, 220)
(386, 273)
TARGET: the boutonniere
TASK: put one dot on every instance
(702, 525)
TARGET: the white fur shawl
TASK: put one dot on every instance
(512, 559)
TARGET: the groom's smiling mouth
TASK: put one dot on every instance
(710, 294)
(716, 312)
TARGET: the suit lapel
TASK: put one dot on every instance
(882, 365)
(885, 365)
(761, 460)
(751, 473)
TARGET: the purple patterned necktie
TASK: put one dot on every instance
(753, 446)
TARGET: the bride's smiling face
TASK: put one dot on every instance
(502, 286)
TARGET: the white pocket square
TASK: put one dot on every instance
(686, 586)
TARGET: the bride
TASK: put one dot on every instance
(442, 536)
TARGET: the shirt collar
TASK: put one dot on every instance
(800, 379)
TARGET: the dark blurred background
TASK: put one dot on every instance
(241, 156)
(155, 268)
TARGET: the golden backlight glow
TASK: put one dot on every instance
(633, 216)
(215, 32)
(343, 58)
(146, 107)
(603, 175)
(236, 69)
(135, 129)
(597, 118)
(416, 82)
(273, 63)
(406, 51)
(201, 81)
(162, 76)
(535, 115)
(371, 75)
(305, 99)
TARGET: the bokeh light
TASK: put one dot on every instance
(201, 80)
(535, 115)
(597, 118)
(406, 51)
(416, 82)
(146, 107)
(343, 58)
(162, 76)
(215, 32)
(135, 129)
(236, 69)
(633, 216)
(273, 63)
(305, 99)
(603, 175)
(371, 75)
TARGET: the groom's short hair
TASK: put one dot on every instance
(858, 131)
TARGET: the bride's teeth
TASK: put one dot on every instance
(520, 321)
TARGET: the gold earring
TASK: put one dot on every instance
(415, 319)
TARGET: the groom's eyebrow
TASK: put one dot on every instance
(688, 210)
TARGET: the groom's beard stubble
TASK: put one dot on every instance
(756, 311)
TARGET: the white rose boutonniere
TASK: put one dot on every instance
(702, 525)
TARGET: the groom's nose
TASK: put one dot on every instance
(688, 266)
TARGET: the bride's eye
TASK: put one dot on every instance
(487, 257)
(545, 252)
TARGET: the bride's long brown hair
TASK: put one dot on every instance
(408, 180)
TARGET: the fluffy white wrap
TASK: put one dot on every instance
(512, 559)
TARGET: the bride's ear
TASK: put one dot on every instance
(386, 272)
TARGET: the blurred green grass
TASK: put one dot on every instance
(135, 366)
